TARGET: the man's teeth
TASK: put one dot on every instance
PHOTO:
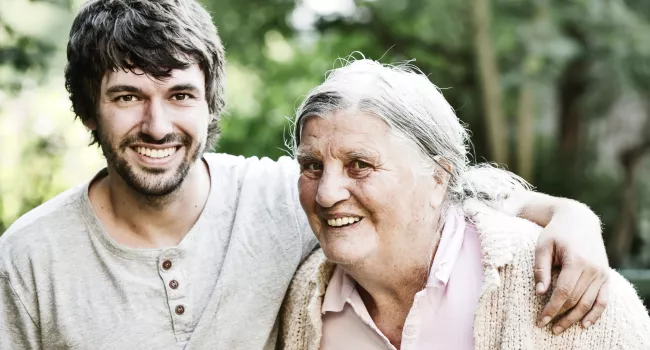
(342, 221)
(156, 153)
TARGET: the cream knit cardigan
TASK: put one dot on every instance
(507, 308)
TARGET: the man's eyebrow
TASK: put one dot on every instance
(184, 87)
(122, 88)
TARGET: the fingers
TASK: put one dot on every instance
(543, 265)
(579, 303)
(599, 305)
(566, 282)
(584, 282)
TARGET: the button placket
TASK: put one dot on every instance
(176, 286)
(411, 331)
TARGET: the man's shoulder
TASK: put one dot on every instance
(223, 161)
(271, 175)
(40, 226)
(52, 210)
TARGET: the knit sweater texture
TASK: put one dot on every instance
(506, 314)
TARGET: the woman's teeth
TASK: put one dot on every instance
(156, 153)
(342, 221)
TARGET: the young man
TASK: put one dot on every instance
(171, 247)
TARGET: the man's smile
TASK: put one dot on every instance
(156, 153)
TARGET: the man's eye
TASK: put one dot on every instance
(126, 98)
(181, 97)
(358, 165)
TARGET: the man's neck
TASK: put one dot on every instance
(136, 221)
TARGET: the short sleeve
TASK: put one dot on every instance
(18, 330)
(306, 235)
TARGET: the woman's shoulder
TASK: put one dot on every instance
(504, 238)
(300, 312)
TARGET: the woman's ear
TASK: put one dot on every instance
(441, 176)
(443, 171)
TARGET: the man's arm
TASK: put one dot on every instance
(18, 330)
(571, 239)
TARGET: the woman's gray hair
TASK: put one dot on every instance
(415, 109)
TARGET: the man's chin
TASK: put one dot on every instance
(150, 180)
(159, 190)
(154, 183)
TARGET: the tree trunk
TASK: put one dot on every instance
(619, 245)
(572, 87)
(490, 82)
(526, 131)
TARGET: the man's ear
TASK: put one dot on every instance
(90, 123)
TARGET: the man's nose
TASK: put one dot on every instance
(157, 123)
(332, 189)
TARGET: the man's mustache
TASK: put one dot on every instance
(145, 138)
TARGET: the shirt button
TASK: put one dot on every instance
(173, 284)
(409, 331)
(166, 264)
(180, 309)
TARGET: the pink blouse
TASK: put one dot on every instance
(442, 314)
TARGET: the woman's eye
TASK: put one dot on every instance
(358, 165)
(313, 167)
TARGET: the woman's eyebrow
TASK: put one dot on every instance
(306, 156)
(362, 154)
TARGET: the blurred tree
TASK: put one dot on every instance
(25, 59)
(497, 56)
(490, 81)
(531, 79)
(20, 52)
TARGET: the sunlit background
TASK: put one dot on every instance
(557, 91)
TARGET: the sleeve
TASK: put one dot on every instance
(625, 324)
(18, 330)
(511, 205)
(309, 241)
(307, 238)
(632, 316)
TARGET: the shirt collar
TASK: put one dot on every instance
(451, 240)
(339, 289)
(341, 286)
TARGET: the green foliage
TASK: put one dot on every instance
(584, 54)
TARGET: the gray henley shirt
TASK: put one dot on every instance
(65, 284)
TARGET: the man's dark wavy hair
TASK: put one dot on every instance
(153, 36)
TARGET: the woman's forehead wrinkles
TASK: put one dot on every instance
(355, 150)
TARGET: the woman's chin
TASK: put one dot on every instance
(345, 253)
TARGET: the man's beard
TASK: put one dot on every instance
(150, 182)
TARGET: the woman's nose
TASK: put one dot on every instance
(332, 189)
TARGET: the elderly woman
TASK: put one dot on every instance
(413, 254)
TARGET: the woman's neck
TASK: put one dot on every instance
(389, 300)
(388, 289)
